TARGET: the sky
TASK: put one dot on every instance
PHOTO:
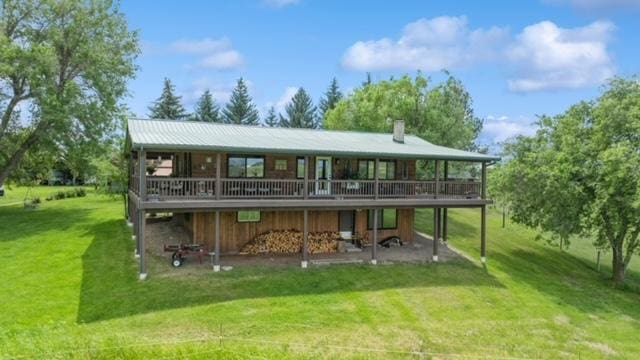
(517, 59)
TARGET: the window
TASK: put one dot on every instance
(366, 169)
(281, 164)
(300, 167)
(405, 170)
(248, 216)
(245, 167)
(387, 219)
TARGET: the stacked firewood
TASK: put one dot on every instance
(290, 242)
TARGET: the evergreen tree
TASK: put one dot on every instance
(301, 113)
(206, 109)
(282, 121)
(168, 105)
(368, 81)
(240, 108)
(331, 97)
(271, 120)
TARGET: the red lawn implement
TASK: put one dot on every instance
(180, 252)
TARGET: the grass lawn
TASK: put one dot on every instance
(16, 194)
(71, 291)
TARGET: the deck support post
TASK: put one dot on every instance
(142, 163)
(305, 240)
(484, 180)
(218, 180)
(445, 211)
(374, 244)
(483, 234)
(216, 249)
(141, 247)
(436, 232)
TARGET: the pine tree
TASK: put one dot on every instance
(331, 98)
(240, 108)
(168, 105)
(368, 81)
(271, 120)
(301, 113)
(206, 109)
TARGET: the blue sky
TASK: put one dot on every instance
(518, 59)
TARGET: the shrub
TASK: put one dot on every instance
(60, 195)
(36, 200)
(80, 192)
(49, 198)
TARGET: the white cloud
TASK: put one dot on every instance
(216, 54)
(429, 45)
(497, 129)
(543, 56)
(550, 57)
(598, 4)
(280, 3)
(200, 46)
(228, 59)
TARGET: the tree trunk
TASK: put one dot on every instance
(618, 267)
(17, 156)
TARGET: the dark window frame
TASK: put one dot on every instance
(373, 176)
(298, 158)
(245, 157)
(248, 221)
(381, 220)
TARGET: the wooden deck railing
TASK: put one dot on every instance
(169, 188)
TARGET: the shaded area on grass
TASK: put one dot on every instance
(110, 288)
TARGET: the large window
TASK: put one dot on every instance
(387, 219)
(300, 167)
(386, 171)
(248, 216)
(245, 167)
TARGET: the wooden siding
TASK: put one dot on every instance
(233, 235)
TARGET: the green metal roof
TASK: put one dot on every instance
(192, 135)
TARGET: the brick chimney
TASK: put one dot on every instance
(398, 131)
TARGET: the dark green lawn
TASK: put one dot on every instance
(71, 290)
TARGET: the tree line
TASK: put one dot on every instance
(300, 112)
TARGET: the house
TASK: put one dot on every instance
(230, 183)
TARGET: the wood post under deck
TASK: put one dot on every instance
(374, 244)
(483, 217)
(216, 256)
(445, 211)
(436, 232)
(305, 240)
(142, 156)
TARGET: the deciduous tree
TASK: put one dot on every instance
(580, 174)
(67, 60)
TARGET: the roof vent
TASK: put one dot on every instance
(398, 131)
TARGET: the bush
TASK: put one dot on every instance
(80, 192)
(36, 200)
(71, 193)
(60, 195)
(49, 198)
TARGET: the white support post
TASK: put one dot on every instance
(305, 240)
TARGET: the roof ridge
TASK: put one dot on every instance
(267, 127)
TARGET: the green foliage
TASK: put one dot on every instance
(69, 61)
(442, 115)
(168, 105)
(580, 174)
(206, 109)
(271, 120)
(332, 96)
(240, 109)
(300, 112)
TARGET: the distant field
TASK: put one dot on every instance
(71, 291)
